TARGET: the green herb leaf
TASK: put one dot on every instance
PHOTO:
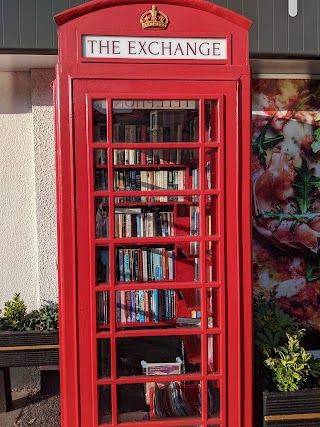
(310, 273)
(262, 142)
(315, 146)
(305, 183)
(295, 217)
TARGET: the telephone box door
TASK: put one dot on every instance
(157, 227)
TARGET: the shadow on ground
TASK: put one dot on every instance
(40, 410)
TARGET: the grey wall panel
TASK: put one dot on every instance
(28, 23)
(311, 25)
(222, 3)
(58, 6)
(280, 28)
(1, 24)
(44, 25)
(10, 22)
(251, 11)
(235, 5)
(265, 25)
(73, 3)
(296, 31)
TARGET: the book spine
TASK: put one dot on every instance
(118, 305)
(146, 307)
(121, 265)
(141, 304)
(156, 305)
(137, 306)
(126, 266)
(123, 307)
(133, 306)
(127, 306)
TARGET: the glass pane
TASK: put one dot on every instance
(211, 210)
(211, 262)
(211, 159)
(181, 175)
(102, 257)
(213, 307)
(103, 310)
(189, 307)
(102, 217)
(99, 119)
(214, 400)
(211, 121)
(156, 221)
(100, 169)
(135, 353)
(187, 262)
(161, 308)
(166, 200)
(164, 157)
(155, 120)
(145, 264)
(213, 354)
(104, 399)
(104, 358)
(161, 220)
(157, 263)
(100, 156)
(137, 308)
(138, 402)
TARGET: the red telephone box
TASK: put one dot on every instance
(153, 157)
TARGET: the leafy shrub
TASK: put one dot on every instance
(271, 324)
(15, 312)
(16, 317)
(291, 365)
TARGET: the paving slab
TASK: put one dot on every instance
(8, 419)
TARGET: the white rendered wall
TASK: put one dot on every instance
(45, 183)
(27, 188)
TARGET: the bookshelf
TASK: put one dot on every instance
(156, 255)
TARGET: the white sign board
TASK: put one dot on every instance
(154, 48)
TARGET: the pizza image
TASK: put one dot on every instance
(286, 195)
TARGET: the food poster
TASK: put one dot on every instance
(286, 195)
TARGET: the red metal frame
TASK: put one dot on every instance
(78, 82)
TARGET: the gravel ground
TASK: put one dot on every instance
(40, 411)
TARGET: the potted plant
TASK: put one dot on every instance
(285, 366)
(26, 339)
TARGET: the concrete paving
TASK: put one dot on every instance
(8, 419)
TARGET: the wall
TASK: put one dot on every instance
(44, 163)
(29, 25)
(27, 188)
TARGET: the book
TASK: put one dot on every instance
(185, 322)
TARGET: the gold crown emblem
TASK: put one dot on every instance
(154, 18)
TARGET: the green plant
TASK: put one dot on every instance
(290, 363)
(44, 319)
(16, 317)
(14, 313)
(271, 324)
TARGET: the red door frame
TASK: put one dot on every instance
(237, 156)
